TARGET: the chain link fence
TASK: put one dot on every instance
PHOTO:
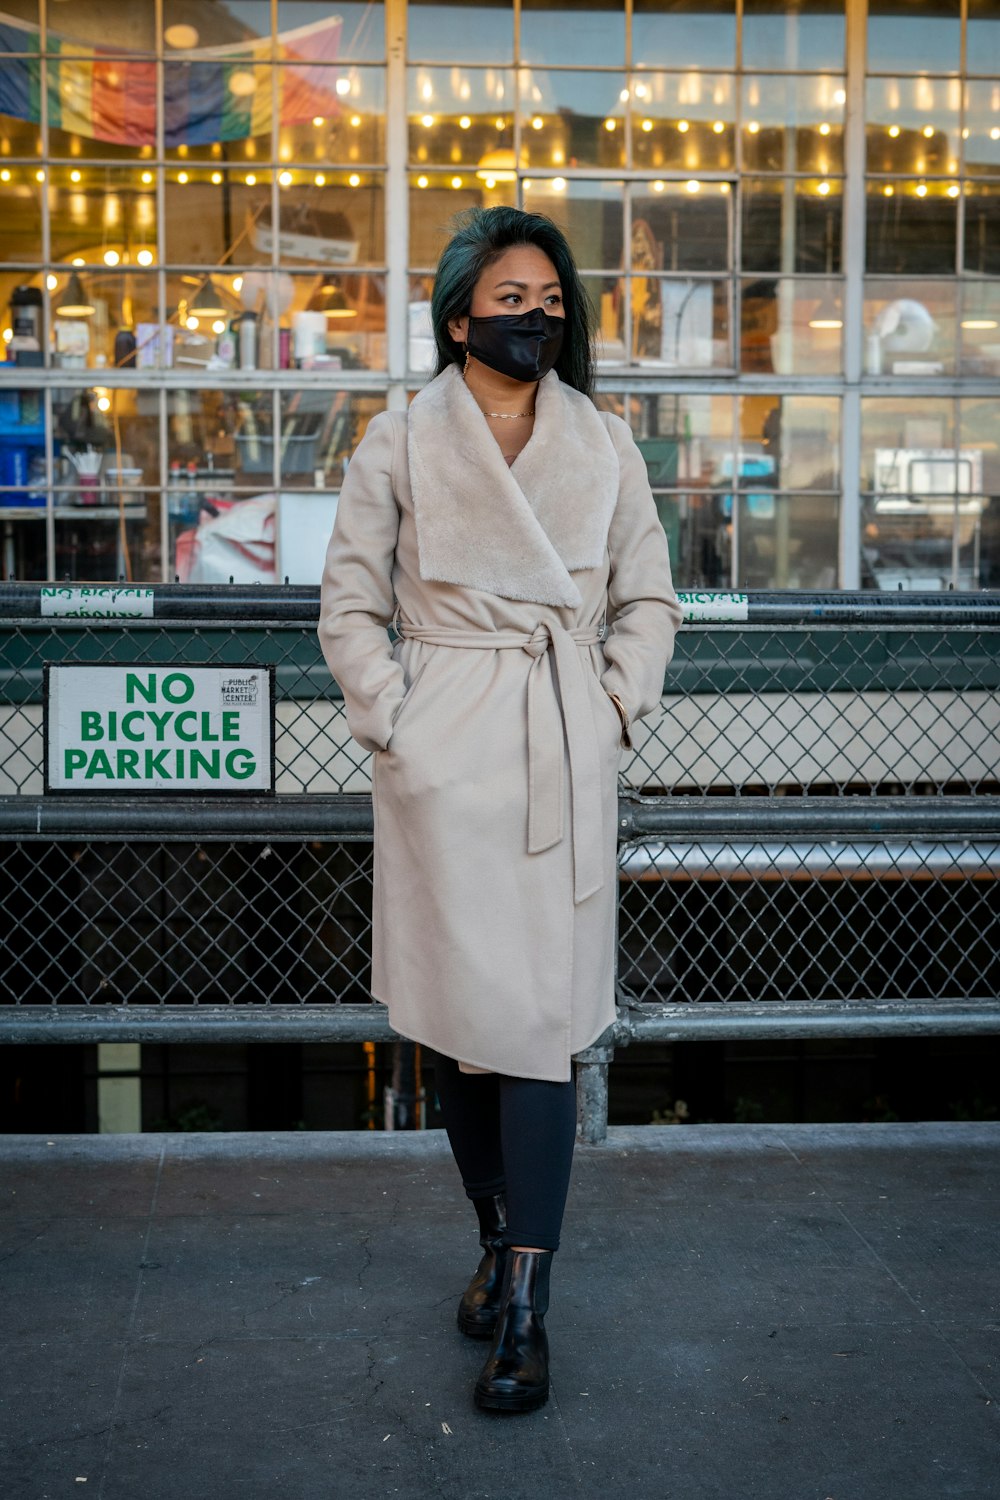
(809, 835)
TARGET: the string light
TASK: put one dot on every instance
(75, 176)
(5, 176)
(427, 121)
(464, 122)
(824, 129)
(921, 190)
(237, 283)
(610, 124)
(145, 257)
(558, 184)
(147, 178)
(823, 189)
(693, 187)
(182, 178)
(318, 120)
(285, 179)
(456, 182)
(928, 131)
(537, 122)
(647, 125)
(40, 175)
(191, 323)
(894, 131)
(718, 127)
(753, 127)
(343, 86)
(683, 126)
(889, 190)
(111, 257)
(219, 326)
(355, 121)
(250, 179)
(217, 178)
(320, 179)
(354, 180)
(51, 282)
(422, 182)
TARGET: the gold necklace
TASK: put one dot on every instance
(506, 416)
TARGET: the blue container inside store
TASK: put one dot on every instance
(22, 445)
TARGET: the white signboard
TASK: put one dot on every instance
(97, 602)
(159, 729)
(713, 606)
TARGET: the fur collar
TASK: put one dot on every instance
(517, 531)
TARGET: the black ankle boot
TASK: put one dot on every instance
(516, 1374)
(477, 1311)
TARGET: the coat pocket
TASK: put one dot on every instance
(407, 699)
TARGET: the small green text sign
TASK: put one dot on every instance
(159, 729)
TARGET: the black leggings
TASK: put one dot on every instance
(513, 1136)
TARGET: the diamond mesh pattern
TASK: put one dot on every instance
(803, 710)
(747, 709)
(809, 921)
(224, 923)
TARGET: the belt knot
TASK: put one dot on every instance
(538, 641)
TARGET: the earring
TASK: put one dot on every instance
(467, 358)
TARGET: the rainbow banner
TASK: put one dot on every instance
(211, 94)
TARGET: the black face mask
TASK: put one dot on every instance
(524, 346)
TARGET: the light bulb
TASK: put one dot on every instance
(354, 180)
(285, 179)
(145, 257)
(111, 257)
(219, 326)
(191, 322)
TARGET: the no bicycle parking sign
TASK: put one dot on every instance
(159, 729)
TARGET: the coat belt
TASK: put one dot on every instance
(558, 712)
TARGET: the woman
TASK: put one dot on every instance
(507, 529)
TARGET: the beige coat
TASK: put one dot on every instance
(496, 744)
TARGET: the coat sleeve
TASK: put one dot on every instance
(356, 597)
(644, 613)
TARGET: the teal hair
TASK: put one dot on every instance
(480, 237)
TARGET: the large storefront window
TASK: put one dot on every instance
(221, 220)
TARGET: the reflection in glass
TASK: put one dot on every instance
(20, 123)
(680, 324)
(572, 118)
(19, 31)
(979, 328)
(792, 124)
(983, 38)
(21, 190)
(436, 197)
(101, 214)
(460, 32)
(682, 120)
(702, 32)
(982, 228)
(902, 424)
(120, 302)
(588, 213)
(319, 432)
(911, 227)
(910, 327)
(462, 117)
(786, 541)
(913, 124)
(792, 225)
(336, 321)
(229, 25)
(560, 32)
(681, 226)
(905, 39)
(794, 440)
(799, 38)
(215, 216)
(347, 122)
(361, 37)
(982, 128)
(791, 327)
(85, 24)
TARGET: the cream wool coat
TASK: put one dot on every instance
(496, 745)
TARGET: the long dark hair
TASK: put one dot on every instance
(481, 236)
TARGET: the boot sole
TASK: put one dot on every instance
(477, 1330)
(510, 1403)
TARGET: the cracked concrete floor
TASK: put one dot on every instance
(785, 1312)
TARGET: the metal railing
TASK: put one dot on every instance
(809, 833)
